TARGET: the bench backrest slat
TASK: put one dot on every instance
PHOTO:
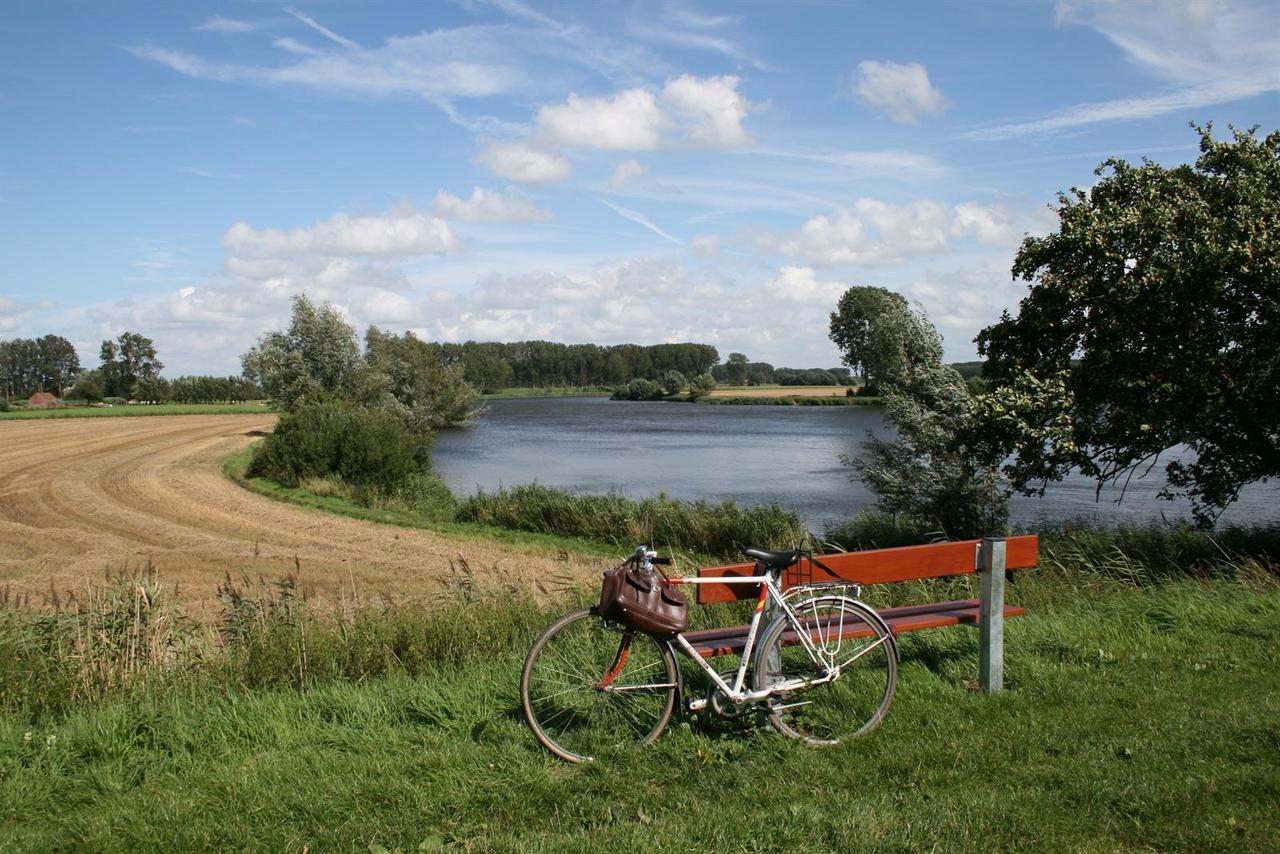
(875, 566)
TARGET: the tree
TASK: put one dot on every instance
(701, 385)
(737, 369)
(877, 337)
(673, 382)
(1152, 322)
(316, 356)
(404, 374)
(127, 360)
(928, 471)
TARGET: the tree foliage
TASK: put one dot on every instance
(125, 362)
(928, 471)
(316, 357)
(736, 369)
(1153, 322)
(28, 365)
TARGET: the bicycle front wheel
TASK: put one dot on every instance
(589, 687)
(846, 640)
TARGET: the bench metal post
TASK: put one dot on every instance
(991, 564)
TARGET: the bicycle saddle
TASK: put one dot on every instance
(774, 560)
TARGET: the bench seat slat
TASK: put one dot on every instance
(732, 639)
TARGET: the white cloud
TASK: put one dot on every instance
(383, 306)
(875, 161)
(219, 24)
(901, 90)
(629, 120)
(626, 173)
(705, 245)
(436, 65)
(292, 45)
(489, 206)
(520, 161)
(801, 285)
(324, 31)
(867, 233)
(402, 233)
(641, 219)
(712, 109)
(990, 224)
(1203, 53)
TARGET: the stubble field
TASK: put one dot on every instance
(81, 498)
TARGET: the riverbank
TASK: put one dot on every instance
(559, 391)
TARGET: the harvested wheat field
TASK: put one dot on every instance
(82, 498)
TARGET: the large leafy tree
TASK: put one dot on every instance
(1153, 322)
(860, 308)
(27, 365)
(129, 359)
(317, 356)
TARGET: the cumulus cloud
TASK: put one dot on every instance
(990, 224)
(489, 206)
(705, 245)
(903, 91)
(801, 285)
(402, 233)
(626, 173)
(710, 109)
(627, 121)
(521, 161)
(867, 233)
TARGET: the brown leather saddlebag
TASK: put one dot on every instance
(644, 601)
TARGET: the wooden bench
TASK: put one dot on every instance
(991, 558)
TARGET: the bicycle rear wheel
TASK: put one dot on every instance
(589, 688)
(847, 635)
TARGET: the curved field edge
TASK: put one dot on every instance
(235, 467)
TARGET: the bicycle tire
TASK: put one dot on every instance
(853, 704)
(563, 701)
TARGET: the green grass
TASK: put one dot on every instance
(560, 391)
(1136, 718)
(430, 516)
(138, 409)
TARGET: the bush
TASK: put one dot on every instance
(640, 389)
(363, 447)
(720, 530)
(4, 404)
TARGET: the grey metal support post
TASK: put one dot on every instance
(991, 564)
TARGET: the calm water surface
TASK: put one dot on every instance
(789, 455)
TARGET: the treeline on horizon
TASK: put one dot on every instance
(129, 369)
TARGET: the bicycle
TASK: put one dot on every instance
(824, 670)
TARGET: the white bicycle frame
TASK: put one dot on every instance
(737, 692)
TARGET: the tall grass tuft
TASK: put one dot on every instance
(721, 530)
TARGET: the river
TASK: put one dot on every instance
(789, 455)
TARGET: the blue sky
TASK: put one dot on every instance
(635, 172)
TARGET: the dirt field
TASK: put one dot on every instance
(782, 391)
(79, 498)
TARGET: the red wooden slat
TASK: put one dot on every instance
(912, 618)
(874, 566)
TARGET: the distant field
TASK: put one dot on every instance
(782, 391)
(251, 408)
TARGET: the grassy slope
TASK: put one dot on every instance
(1137, 717)
(235, 467)
(138, 409)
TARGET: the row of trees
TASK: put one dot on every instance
(490, 366)
(90, 388)
(29, 365)
(738, 370)
(1087, 376)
